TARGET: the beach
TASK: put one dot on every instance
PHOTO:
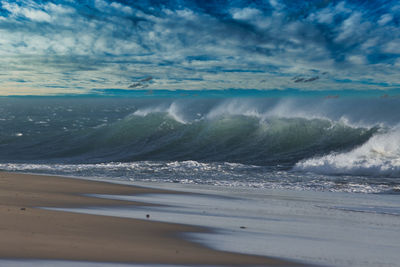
(28, 232)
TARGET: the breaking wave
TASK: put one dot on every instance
(379, 156)
(164, 135)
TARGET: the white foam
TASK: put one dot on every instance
(218, 174)
(379, 156)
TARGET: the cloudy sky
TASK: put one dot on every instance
(67, 46)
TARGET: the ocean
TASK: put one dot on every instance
(337, 144)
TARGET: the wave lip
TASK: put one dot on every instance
(379, 156)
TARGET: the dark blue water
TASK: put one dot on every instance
(337, 144)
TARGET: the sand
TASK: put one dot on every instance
(28, 232)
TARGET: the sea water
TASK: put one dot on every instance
(311, 143)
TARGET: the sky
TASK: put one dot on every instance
(80, 47)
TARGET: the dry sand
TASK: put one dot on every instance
(31, 233)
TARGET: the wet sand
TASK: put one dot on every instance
(28, 232)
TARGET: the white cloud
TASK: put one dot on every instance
(357, 59)
(27, 12)
(342, 8)
(37, 15)
(325, 16)
(247, 13)
(122, 8)
(392, 46)
(384, 19)
(101, 5)
(58, 9)
(107, 7)
(349, 27)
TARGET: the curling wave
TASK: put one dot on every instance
(158, 135)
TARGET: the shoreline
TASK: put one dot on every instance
(32, 233)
